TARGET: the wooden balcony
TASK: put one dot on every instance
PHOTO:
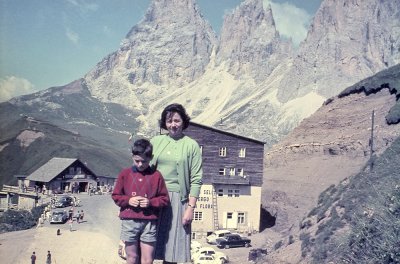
(226, 179)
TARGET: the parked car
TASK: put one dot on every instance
(211, 239)
(210, 251)
(233, 240)
(64, 201)
(59, 217)
(206, 259)
(194, 246)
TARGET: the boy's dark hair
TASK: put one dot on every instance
(142, 147)
(174, 108)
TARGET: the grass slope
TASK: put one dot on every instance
(358, 220)
(16, 159)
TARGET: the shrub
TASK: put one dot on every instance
(13, 220)
(305, 224)
(306, 243)
(278, 245)
(291, 240)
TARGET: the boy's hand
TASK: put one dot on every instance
(139, 201)
(144, 202)
(135, 201)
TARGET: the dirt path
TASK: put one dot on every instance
(94, 241)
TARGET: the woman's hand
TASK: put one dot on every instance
(188, 216)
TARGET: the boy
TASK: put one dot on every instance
(140, 191)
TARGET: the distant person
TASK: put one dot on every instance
(78, 217)
(70, 222)
(140, 192)
(48, 258)
(178, 158)
(71, 212)
(33, 258)
(82, 215)
(58, 232)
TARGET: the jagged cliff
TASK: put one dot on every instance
(250, 72)
(347, 42)
(170, 47)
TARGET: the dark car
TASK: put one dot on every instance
(64, 201)
(233, 240)
(58, 216)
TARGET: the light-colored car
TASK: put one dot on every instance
(58, 217)
(210, 252)
(211, 239)
(194, 246)
(206, 259)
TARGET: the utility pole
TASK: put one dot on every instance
(371, 141)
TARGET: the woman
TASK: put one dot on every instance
(179, 160)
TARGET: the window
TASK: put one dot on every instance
(232, 171)
(234, 193)
(229, 215)
(222, 171)
(222, 152)
(242, 153)
(198, 216)
(78, 170)
(241, 218)
(240, 172)
(220, 192)
(71, 170)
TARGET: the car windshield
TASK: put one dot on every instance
(57, 213)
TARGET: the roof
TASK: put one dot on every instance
(50, 169)
(227, 133)
(222, 231)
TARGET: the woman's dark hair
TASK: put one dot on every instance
(174, 108)
(142, 147)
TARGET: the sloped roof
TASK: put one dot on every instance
(227, 133)
(50, 169)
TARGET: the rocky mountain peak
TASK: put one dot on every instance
(347, 42)
(171, 46)
(249, 41)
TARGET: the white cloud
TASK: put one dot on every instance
(291, 21)
(83, 5)
(12, 86)
(72, 36)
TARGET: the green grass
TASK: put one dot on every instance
(370, 212)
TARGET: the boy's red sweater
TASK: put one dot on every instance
(148, 183)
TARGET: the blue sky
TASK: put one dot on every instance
(46, 43)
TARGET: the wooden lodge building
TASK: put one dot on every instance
(58, 175)
(66, 175)
(232, 178)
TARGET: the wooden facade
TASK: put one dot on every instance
(232, 178)
(248, 167)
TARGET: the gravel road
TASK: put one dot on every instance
(94, 241)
